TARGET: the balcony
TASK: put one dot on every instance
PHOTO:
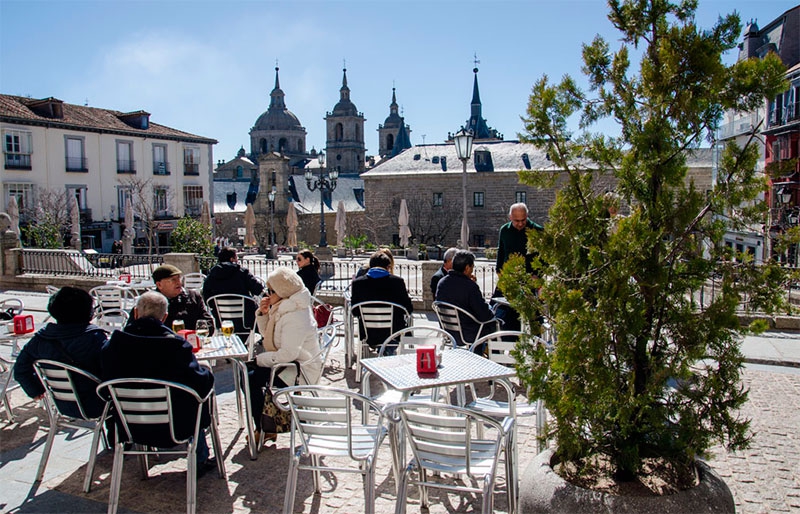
(162, 214)
(18, 161)
(79, 164)
(191, 168)
(193, 211)
(126, 166)
(160, 168)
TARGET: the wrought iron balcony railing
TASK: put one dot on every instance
(18, 161)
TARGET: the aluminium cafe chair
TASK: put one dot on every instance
(112, 319)
(327, 426)
(69, 408)
(194, 281)
(452, 317)
(232, 307)
(446, 444)
(146, 412)
(376, 318)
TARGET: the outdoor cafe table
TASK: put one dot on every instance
(234, 350)
(458, 367)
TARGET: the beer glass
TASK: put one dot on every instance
(202, 329)
(178, 325)
(227, 331)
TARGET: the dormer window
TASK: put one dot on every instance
(483, 160)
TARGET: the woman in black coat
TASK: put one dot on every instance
(309, 269)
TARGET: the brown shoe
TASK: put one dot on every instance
(270, 436)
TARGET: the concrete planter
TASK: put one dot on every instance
(544, 491)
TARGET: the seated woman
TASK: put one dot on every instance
(309, 269)
(287, 325)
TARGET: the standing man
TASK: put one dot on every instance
(184, 304)
(447, 265)
(148, 349)
(513, 238)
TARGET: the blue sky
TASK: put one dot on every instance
(207, 67)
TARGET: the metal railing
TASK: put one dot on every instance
(126, 166)
(79, 264)
(77, 164)
(18, 161)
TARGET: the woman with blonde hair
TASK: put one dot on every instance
(287, 326)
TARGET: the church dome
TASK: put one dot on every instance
(274, 119)
(344, 107)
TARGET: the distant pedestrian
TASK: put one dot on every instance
(309, 269)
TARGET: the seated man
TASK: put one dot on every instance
(184, 304)
(148, 349)
(459, 288)
(228, 277)
(378, 284)
(73, 340)
(447, 265)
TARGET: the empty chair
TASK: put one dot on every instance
(67, 388)
(12, 306)
(112, 319)
(446, 444)
(452, 318)
(233, 307)
(376, 320)
(146, 417)
(194, 281)
(110, 298)
(327, 423)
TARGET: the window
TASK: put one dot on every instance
(160, 164)
(76, 160)
(521, 197)
(193, 200)
(477, 199)
(24, 193)
(239, 171)
(479, 240)
(125, 163)
(438, 199)
(17, 148)
(161, 201)
(483, 160)
(191, 161)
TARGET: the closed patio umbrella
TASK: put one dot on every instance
(291, 224)
(250, 226)
(464, 234)
(405, 232)
(341, 224)
(13, 213)
(129, 232)
(205, 215)
(75, 221)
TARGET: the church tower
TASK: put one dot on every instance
(476, 123)
(389, 132)
(278, 129)
(345, 134)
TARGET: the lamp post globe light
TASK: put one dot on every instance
(325, 182)
(463, 143)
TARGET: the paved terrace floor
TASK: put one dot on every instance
(764, 478)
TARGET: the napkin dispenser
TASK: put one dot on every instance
(23, 323)
(125, 277)
(191, 336)
(427, 358)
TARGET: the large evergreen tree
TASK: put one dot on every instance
(639, 368)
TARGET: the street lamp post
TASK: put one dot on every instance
(325, 182)
(271, 196)
(463, 143)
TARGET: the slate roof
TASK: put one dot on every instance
(507, 157)
(16, 109)
(347, 190)
(221, 190)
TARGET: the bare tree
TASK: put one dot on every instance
(429, 223)
(48, 218)
(147, 207)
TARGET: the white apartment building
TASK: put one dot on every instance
(99, 156)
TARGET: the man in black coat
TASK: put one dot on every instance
(229, 277)
(187, 305)
(148, 349)
(73, 340)
(447, 265)
(459, 288)
(380, 285)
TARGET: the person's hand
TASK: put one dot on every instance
(263, 305)
(39, 398)
(473, 277)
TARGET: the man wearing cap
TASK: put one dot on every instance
(184, 304)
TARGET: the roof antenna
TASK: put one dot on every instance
(424, 148)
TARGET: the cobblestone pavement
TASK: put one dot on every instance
(764, 478)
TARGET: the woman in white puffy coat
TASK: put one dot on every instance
(286, 323)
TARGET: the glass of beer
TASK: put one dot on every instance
(227, 331)
(178, 325)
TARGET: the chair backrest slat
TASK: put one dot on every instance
(59, 380)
